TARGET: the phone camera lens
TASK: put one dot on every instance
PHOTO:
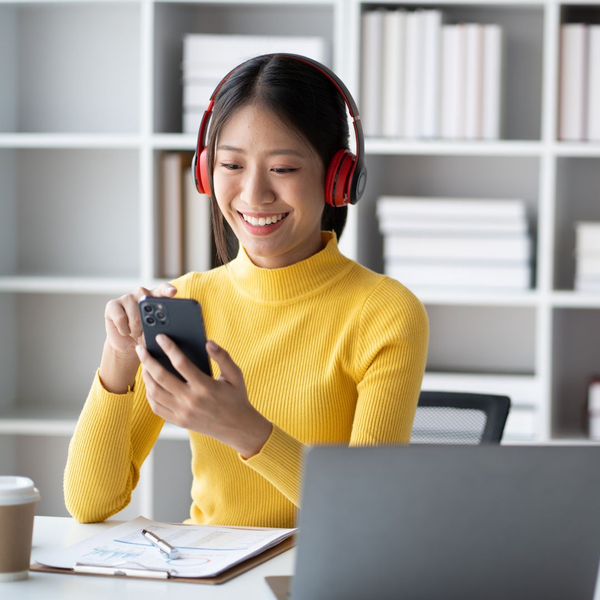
(150, 320)
(148, 308)
(160, 316)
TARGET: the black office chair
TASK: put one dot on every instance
(459, 418)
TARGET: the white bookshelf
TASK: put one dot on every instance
(91, 98)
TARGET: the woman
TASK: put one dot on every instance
(306, 345)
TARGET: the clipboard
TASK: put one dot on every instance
(230, 573)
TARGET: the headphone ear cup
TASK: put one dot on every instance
(204, 182)
(336, 182)
(330, 177)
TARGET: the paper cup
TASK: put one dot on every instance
(18, 496)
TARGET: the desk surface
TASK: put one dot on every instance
(59, 532)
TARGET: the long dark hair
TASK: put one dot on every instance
(300, 96)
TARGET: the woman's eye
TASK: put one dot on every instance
(284, 170)
(230, 166)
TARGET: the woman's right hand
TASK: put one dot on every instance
(123, 323)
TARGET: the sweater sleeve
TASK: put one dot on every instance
(113, 436)
(391, 353)
(390, 360)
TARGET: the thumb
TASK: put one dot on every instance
(229, 370)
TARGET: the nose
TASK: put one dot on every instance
(256, 188)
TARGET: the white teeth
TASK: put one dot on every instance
(263, 221)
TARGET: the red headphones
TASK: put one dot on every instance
(346, 174)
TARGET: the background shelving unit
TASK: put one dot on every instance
(91, 98)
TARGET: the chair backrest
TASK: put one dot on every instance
(459, 418)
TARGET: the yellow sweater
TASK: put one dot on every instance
(331, 352)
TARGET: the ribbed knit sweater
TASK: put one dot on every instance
(331, 353)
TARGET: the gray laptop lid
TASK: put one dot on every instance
(464, 522)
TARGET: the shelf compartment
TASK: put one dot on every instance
(70, 213)
(85, 49)
(523, 49)
(575, 360)
(482, 339)
(175, 19)
(51, 348)
(446, 177)
(577, 185)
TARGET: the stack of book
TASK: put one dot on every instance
(207, 58)
(579, 117)
(447, 244)
(186, 229)
(411, 61)
(587, 256)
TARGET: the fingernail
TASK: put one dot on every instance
(212, 346)
(139, 350)
(171, 287)
(161, 339)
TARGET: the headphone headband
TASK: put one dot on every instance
(351, 168)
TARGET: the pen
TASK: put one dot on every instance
(163, 546)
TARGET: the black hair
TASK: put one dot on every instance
(304, 99)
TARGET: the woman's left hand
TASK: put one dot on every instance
(218, 408)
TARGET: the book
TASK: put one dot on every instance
(572, 97)
(393, 63)
(587, 237)
(470, 209)
(445, 276)
(228, 50)
(453, 82)
(172, 165)
(197, 227)
(473, 80)
(402, 225)
(432, 33)
(475, 247)
(593, 84)
(371, 72)
(492, 82)
(413, 83)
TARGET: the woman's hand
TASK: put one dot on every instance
(123, 323)
(218, 408)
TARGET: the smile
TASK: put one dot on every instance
(262, 221)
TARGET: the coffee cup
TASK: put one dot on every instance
(18, 497)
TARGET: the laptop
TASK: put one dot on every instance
(448, 522)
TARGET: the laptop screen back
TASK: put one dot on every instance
(466, 522)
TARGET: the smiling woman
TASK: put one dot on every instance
(306, 346)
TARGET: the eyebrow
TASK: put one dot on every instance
(282, 151)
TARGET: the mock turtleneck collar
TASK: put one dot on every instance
(290, 283)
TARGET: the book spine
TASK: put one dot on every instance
(446, 247)
(492, 82)
(453, 84)
(473, 80)
(172, 215)
(413, 88)
(197, 227)
(593, 98)
(448, 276)
(573, 51)
(472, 209)
(432, 32)
(371, 73)
(394, 42)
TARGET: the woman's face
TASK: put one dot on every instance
(269, 185)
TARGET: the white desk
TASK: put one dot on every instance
(59, 532)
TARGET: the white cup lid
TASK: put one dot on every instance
(17, 490)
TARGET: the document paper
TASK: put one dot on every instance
(204, 550)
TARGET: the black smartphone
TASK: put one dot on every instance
(181, 320)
